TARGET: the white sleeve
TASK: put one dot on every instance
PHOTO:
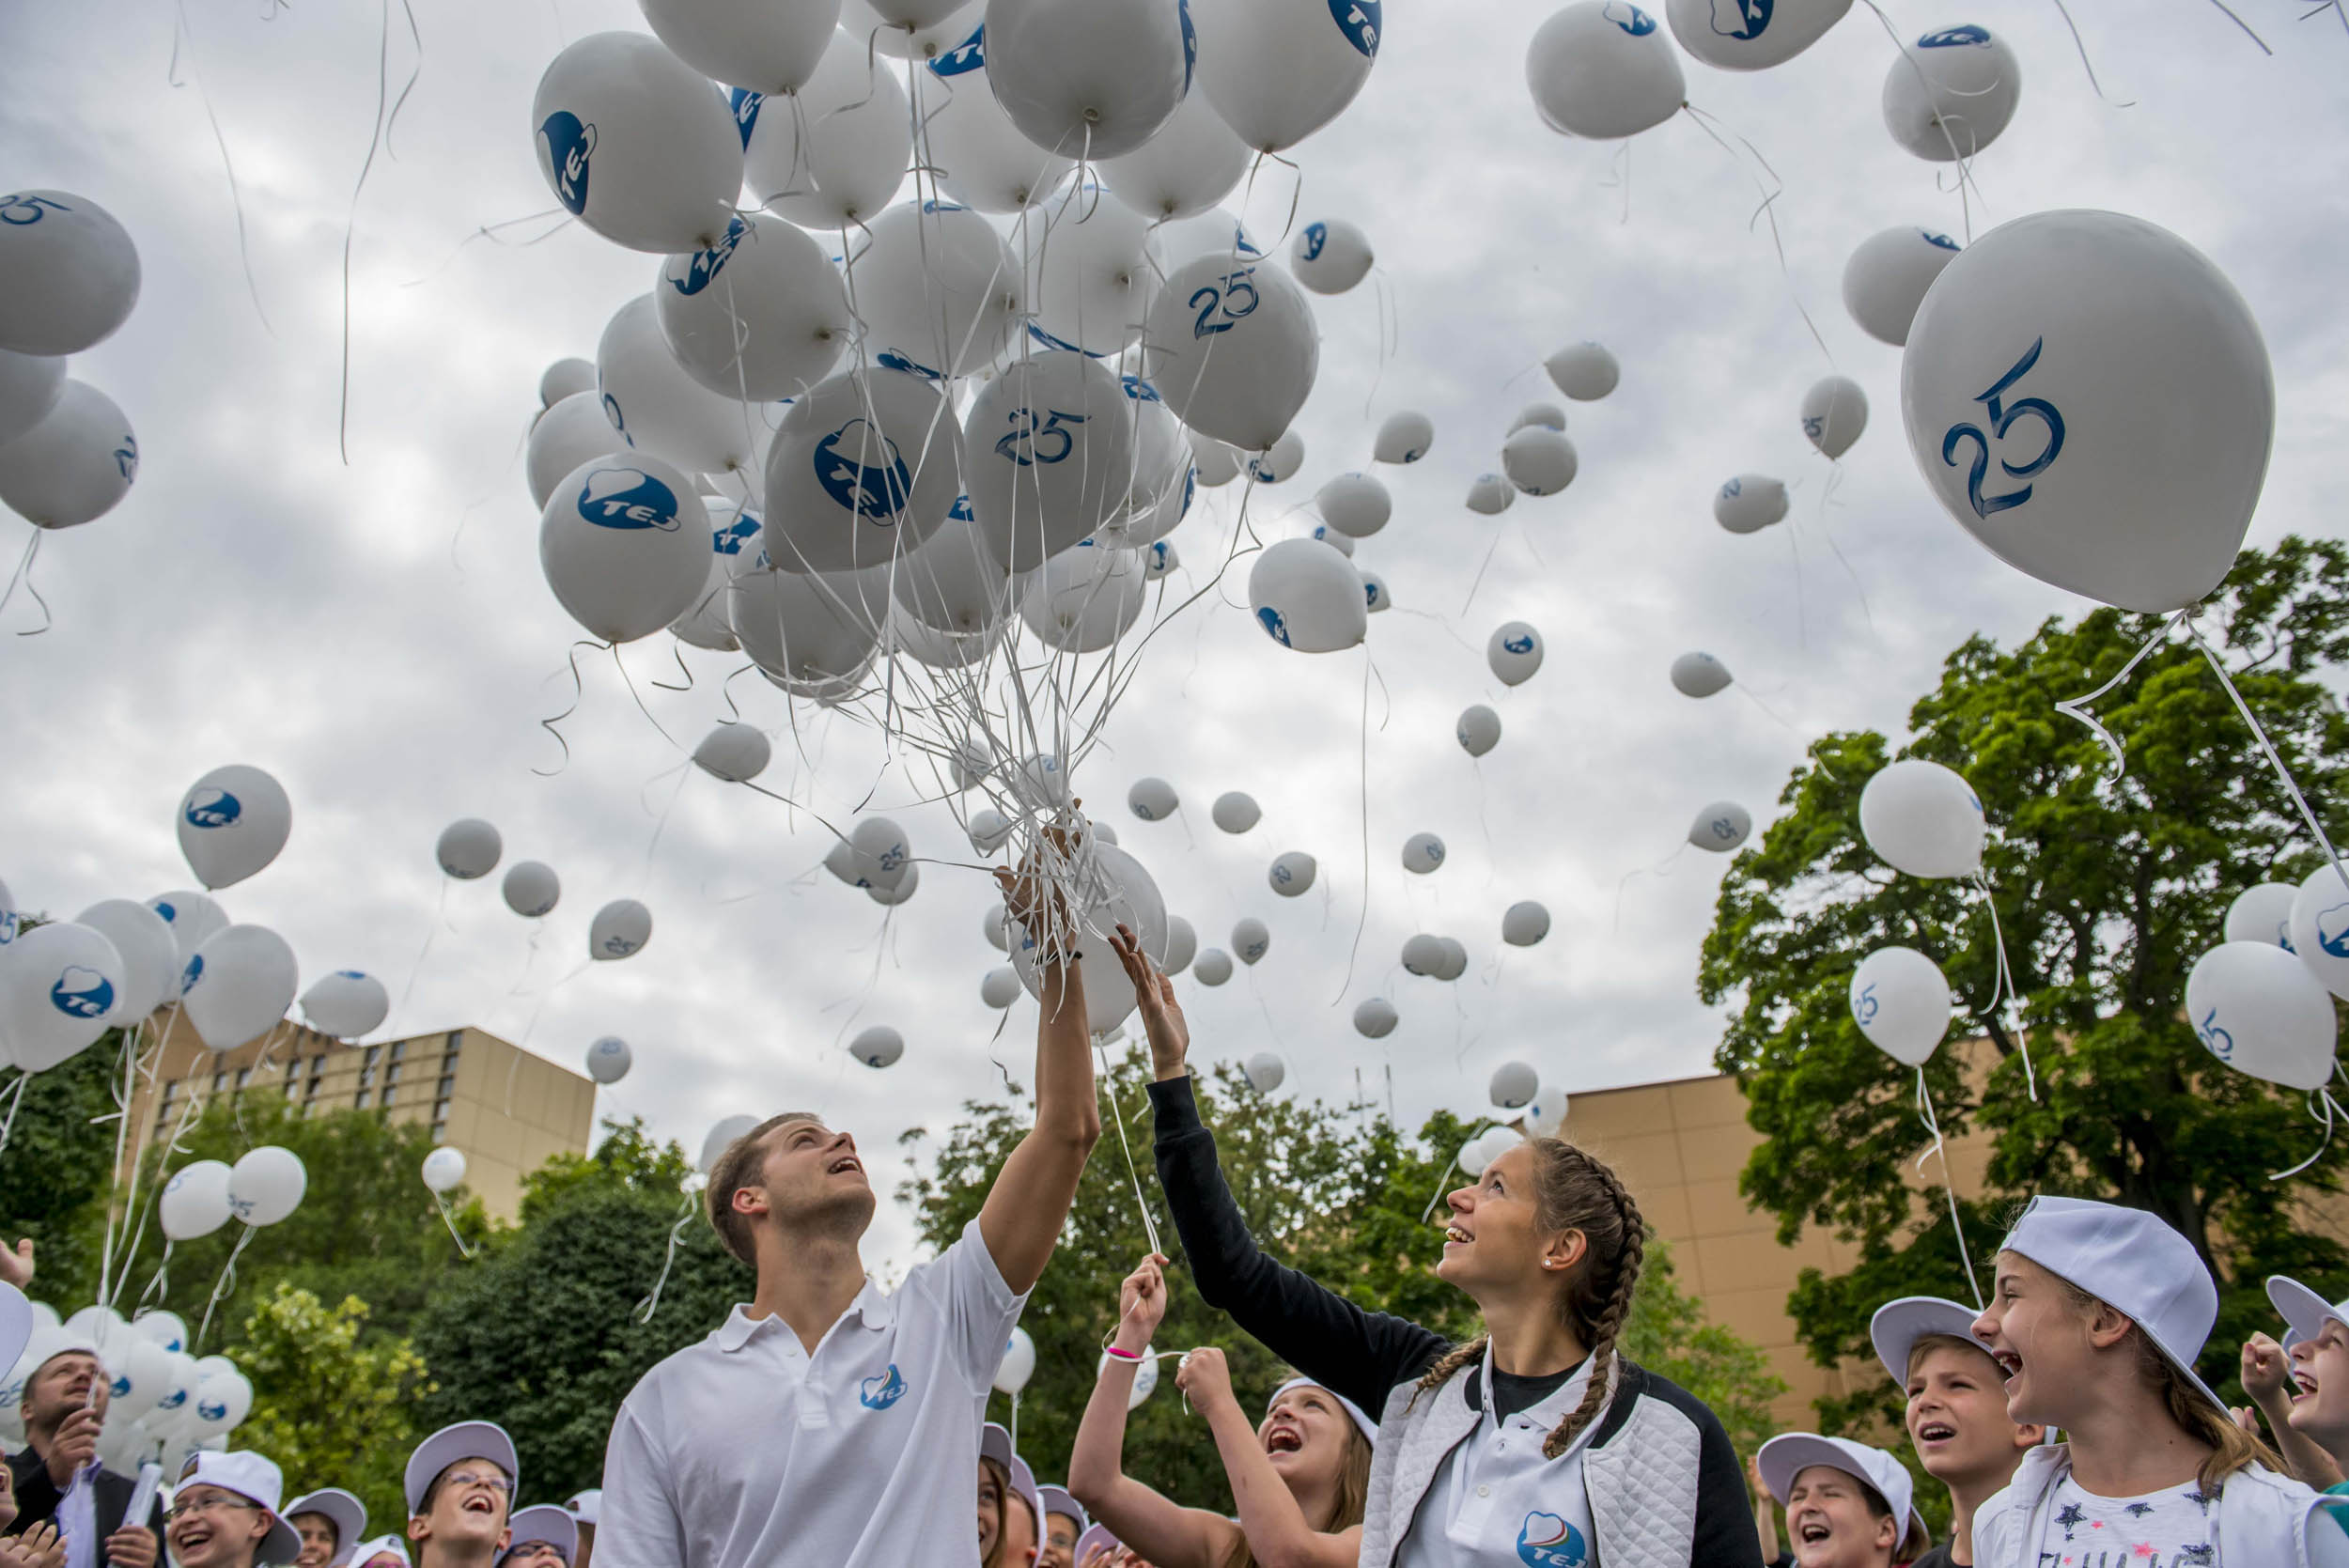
(2326, 1533)
(980, 1306)
(640, 1526)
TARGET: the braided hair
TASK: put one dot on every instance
(1575, 1190)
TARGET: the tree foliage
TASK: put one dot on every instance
(330, 1409)
(58, 1167)
(2106, 890)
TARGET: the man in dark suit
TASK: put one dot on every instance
(57, 1477)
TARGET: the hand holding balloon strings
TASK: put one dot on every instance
(1170, 1039)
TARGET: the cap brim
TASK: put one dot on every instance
(348, 1513)
(995, 1443)
(1897, 1325)
(280, 1546)
(1786, 1457)
(2301, 1308)
(464, 1440)
(544, 1522)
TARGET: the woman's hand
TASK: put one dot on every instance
(1032, 897)
(2265, 1369)
(1205, 1380)
(39, 1546)
(1162, 1018)
(1141, 1305)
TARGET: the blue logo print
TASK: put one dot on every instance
(882, 1389)
(569, 145)
(879, 493)
(2332, 930)
(1941, 240)
(890, 359)
(1030, 444)
(350, 974)
(730, 539)
(745, 104)
(628, 498)
(119, 1386)
(619, 420)
(968, 56)
(213, 1409)
(1735, 489)
(194, 973)
(1545, 1541)
(1370, 594)
(1747, 19)
(1864, 1005)
(212, 808)
(1358, 20)
(2002, 416)
(1050, 342)
(1274, 627)
(81, 993)
(1953, 38)
(1316, 236)
(1190, 487)
(703, 267)
(169, 913)
(1724, 829)
(2221, 1042)
(23, 209)
(961, 510)
(619, 947)
(1140, 390)
(127, 458)
(1630, 18)
(1518, 645)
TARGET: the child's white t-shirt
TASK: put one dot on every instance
(2170, 1528)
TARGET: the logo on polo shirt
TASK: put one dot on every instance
(1545, 1541)
(885, 1389)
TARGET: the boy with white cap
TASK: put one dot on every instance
(2319, 1412)
(544, 1536)
(2096, 1317)
(828, 1423)
(329, 1522)
(57, 1477)
(584, 1507)
(384, 1551)
(1847, 1505)
(461, 1484)
(224, 1512)
(1956, 1412)
(1063, 1521)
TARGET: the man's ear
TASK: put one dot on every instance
(2030, 1436)
(750, 1201)
(419, 1528)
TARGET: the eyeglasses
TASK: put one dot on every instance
(531, 1553)
(182, 1507)
(494, 1480)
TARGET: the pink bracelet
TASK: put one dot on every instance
(1123, 1355)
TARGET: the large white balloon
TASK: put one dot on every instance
(864, 467)
(1276, 70)
(1422, 853)
(142, 940)
(1750, 503)
(1356, 505)
(2090, 399)
(1152, 800)
(1901, 1002)
(1089, 78)
(1886, 279)
(981, 157)
(1699, 675)
(722, 1136)
(1089, 272)
(1308, 597)
(637, 145)
(1603, 69)
(1292, 873)
(1232, 348)
(1165, 474)
(68, 273)
(1331, 255)
(347, 1003)
(570, 432)
(1547, 1112)
(1084, 599)
(1514, 652)
(1923, 818)
(1107, 887)
(2260, 913)
(809, 627)
(1213, 966)
(444, 1170)
(766, 48)
(2257, 1009)
(609, 1059)
(2320, 928)
(662, 410)
(1374, 1017)
(232, 822)
(194, 917)
(1491, 494)
(1182, 945)
(1539, 461)
(951, 583)
(839, 158)
(760, 315)
(195, 1200)
(1834, 412)
(1049, 451)
(620, 928)
(1584, 371)
(1424, 955)
(1478, 730)
(1751, 35)
(1266, 1072)
(566, 378)
(1236, 812)
(624, 543)
(999, 987)
(1188, 166)
(1251, 940)
(61, 987)
(30, 385)
(239, 985)
(736, 753)
(1720, 827)
(1525, 924)
(267, 1185)
(1952, 92)
(468, 848)
(74, 465)
(1513, 1085)
(879, 1047)
(938, 290)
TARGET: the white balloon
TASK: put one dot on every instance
(983, 159)
(1216, 462)
(1331, 255)
(1152, 800)
(609, 1059)
(661, 409)
(999, 987)
(1424, 955)
(620, 928)
(222, 1399)
(1213, 966)
(1279, 463)
(1049, 453)
(1886, 279)
(758, 315)
(1923, 818)
(1472, 1159)
(232, 822)
(809, 627)
(1374, 1017)
(1422, 853)
(731, 530)
(2090, 399)
(1266, 1072)
(1356, 505)
(62, 987)
(1454, 962)
(1089, 272)
(2262, 1012)
(1583, 371)
(1182, 945)
(1750, 503)
(1524, 924)
(769, 48)
(195, 1200)
(1233, 348)
(879, 854)
(1250, 940)
(1405, 437)
(938, 290)
(940, 650)
(1491, 494)
(468, 848)
(194, 917)
(30, 385)
(722, 1136)
(636, 145)
(1335, 540)
(266, 1185)
(623, 542)
(906, 887)
(239, 985)
(1291, 875)
(1549, 417)
(1901, 1002)
(532, 889)
(736, 753)
(1603, 69)
(566, 378)
(142, 939)
(1834, 412)
(1539, 461)
(879, 1047)
(1276, 70)
(1952, 92)
(1699, 675)
(2260, 913)
(68, 273)
(1084, 599)
(166, 1331)
(1146, 1377)
(1547, 1112)
(1165, 474)
(1089, 78)
(1236, 812)
(864, 467)
(444, 1170)
(2320, 928)
(1744, 34)
(1514, 652)
(1478, 730)
(573, 432)
(1375, 592)
(1107, 888)
(1307, 596)
(839, 159)
(1720, 827)
(990, 829)
(72, 466)
(1513, 1085)
(347, 1003)
(1190, 165)
(913, 29)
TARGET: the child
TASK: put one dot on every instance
(1847, 1505)
(2319, 1413)
(1957, 1415)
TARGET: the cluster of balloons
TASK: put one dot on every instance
(68, 276)
(162, 1401)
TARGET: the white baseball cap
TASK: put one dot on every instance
(544, 1522)
(1095, 1535)
(1362, 1423)
(1788, 1455)
(585, 1505)
(256, 1478)
(995, 1443)
(463, 1441)
(347, 1512)
(2303, 1310)
(1899, 1325)
(368, 1551)
(2133, 1262)
(1057, 1500)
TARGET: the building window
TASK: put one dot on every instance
(220, 1082)
(448, 1084)
(374, 1054)
(361, 1101)
(391, 1073)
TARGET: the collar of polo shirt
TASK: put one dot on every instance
(873, 1307)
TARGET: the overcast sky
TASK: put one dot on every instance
(379, 635)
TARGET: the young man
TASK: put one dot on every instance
(545, 1536)
(330, 1523)
(828, 1423)
(224, 1513)
(1063, 1521)
(57, 1477)
(1956, 1417)
(460, 1485)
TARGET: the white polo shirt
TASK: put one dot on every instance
(1497, 1499)
(745, 1451)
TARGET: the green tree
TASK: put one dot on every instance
(2107, 890)
(330, 1409)
(58, 1169)
(543, 1332)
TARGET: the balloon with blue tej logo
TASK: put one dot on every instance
(74, 465)
(864, 467)
(568, 433)
(2257, 1009)
(232, 822)
(1233, 348)
(982, 159)
(1017, 1365)
(1277, 463)
(1405, 436)
(61, 987)
(836, 156)
(999, 987)
(1538, 460)
(637, 143)
(2091, 399)
(1952, 92)
(1901, 1000)
(1604, 69)
(1751, 35)
(1887, 277)
(937, 288)
(1307, 596)
(664, 412)
(624, 542)
(1190, 165)
(1478, 730)
(1513, 1085)
(193, 918)
(1331, 255)
(1546, 1113)
(239, 985)
(1375, 592)
(266, 1185)
(346, 1005)
(30, 385)
(194, 1201)
(2260, 913)
(1277, 71)
(1089, 78)
(766, 48)
(1720, 827)
(1749, 503)
(69, 272)
(2320, 928)
(1335, 540)
(761, 314)
(1177, 243)
(1217, 463)
(1514, 652)
(620, 929)
(1048, 457)
(444, 1170)
(1834, 413)
(142, 940)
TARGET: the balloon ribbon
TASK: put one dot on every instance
(1932, 1126)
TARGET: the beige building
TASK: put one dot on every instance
(506, 1109)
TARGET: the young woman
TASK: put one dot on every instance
(1004, 1475)
(1298, 1480)
(1847, 1505)
(2096, 1316)
(994, 1488)
(1537, 1443)
(1957, 1415)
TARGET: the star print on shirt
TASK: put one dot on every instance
(2138, 1510)
(2071, 1519)
(2202, 1499)
(2201, 1556)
